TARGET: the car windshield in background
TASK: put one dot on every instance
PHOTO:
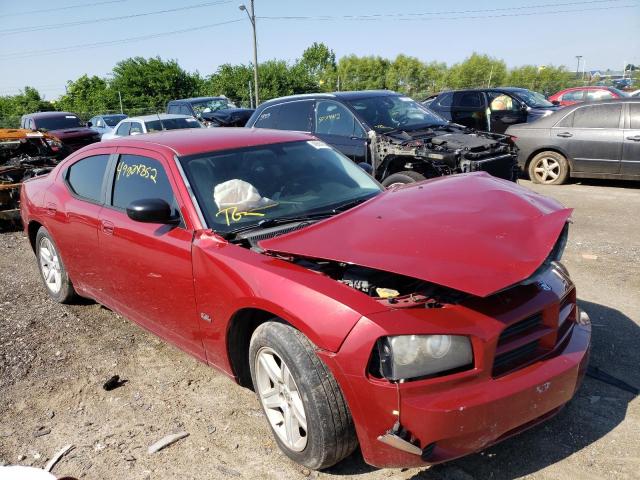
(171, 124)
(58, 123)
(534, 99)
(387, 113)
(237, 189)
(620, 93)
(112, 120)
(210, 106)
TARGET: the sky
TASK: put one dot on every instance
(45, 43)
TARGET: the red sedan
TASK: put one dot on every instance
(569, 96)
(423, 323)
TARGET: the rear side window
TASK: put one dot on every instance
(598, 116)
(268, 118)
(634, 113)
(85, 177)
(123, 129)
(138, 178)
(296, 116)
(467, 99)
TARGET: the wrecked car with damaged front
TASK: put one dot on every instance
(393, 137)
(421, 323)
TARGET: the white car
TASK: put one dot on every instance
(635, 93)
(150, 124)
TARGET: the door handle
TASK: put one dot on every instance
(51, 209)
(635, 138)
(565, 135)
(106, 227)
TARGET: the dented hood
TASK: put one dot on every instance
(474, 233)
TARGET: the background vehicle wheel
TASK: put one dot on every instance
(402, 178)
(52, 270)
(549, 168)
(300, 397)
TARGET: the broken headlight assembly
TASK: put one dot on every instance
(410, 357)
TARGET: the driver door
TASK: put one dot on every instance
(504, 111)
(148, 265)
(336, 125)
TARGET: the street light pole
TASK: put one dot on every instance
(578, 57)
(252, 19)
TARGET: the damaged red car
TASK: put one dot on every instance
(420, 323)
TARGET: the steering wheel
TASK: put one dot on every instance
(296, 186)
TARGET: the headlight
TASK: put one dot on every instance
(412, 356)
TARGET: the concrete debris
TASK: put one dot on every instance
(166, 441)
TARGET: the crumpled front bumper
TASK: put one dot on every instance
(455, 416)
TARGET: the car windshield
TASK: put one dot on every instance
(393, 112)
(171, 124)
(112, 120)
(620, 93)
(57, 123)
(534, 99)
(237, 189)
(212, 105)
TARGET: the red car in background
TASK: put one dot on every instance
(65, 126)
(424, 322)
(569, 96)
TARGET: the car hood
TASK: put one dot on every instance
(473, 232)
(68, 133)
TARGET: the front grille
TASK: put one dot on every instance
(511, 360)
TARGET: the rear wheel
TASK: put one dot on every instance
(52, 271)
(402, 178)
(549, 168)
(300, 397)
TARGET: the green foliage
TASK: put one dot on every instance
(12, 107)
(319, 64)
(89, 94)
(362, 73)
(477, 71)
(414, 77)
(543, 79)
(151, 83)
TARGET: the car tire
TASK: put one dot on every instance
(292, 382)
(402, 178)
(52, 271)
(548, 168)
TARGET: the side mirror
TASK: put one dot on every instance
(556, 102)
(89, 124)
(151, 210)
(366, 167)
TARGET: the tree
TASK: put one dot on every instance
(362, 73)
(88, 95)
(319, 63)
(148, 84)
(12, 107)
(477, 71)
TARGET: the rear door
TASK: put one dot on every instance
(595, 143)
(630, 164)
(149, 265)
(336, 125)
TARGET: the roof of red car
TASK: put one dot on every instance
(192, 141)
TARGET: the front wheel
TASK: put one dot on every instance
(300, 397)
(549, 168)
(402, 178)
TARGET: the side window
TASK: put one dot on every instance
(137, 178)
(566, 121)
(467, 99)
(185, 110)
(573, 96)
(634, 114)
(296, 116)
(333, 118)
(136, 128)
(172, 108)
(268, 118)
(445, 100)
(123, 129)
(598, 94)
(85, 177)
(598, 116)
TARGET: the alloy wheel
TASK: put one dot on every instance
(281, 399)
(50, 265)
(547, 170)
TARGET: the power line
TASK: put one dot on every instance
(37, 53)
(53, 26)
(386, 16)
(57, 9)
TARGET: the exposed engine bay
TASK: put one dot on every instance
(443, 150)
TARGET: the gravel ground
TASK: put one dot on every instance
(54, 360)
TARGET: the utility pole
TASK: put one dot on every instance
(250, 94)
(578, 57)
(120, 98)
(252, 19)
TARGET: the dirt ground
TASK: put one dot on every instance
(54, 360)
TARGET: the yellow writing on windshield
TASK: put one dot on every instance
(138, 169)
(231, 214)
